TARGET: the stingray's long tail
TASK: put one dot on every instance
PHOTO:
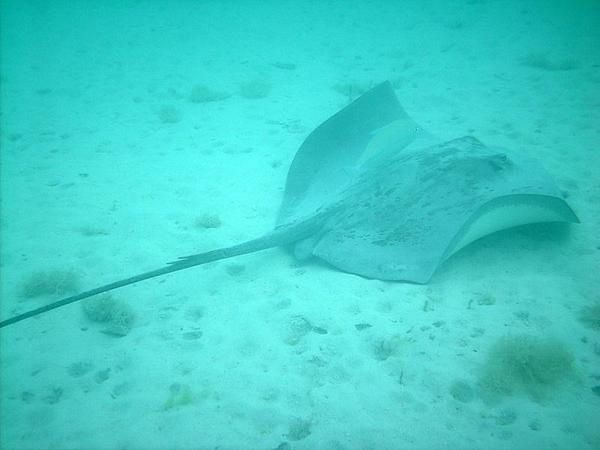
(274, 239)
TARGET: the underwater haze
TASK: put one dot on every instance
(136, 132)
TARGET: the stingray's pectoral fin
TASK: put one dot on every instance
(416, 250)
(511, 211)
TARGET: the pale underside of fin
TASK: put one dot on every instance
(508, 212)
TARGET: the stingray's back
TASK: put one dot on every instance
(403, 217)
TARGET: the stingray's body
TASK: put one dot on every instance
(373, 194)
(389, 230)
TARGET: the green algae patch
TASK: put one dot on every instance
(49, 282)
(523, 364)
(116, 314)
(179, 395)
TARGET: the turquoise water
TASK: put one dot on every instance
(133, 133)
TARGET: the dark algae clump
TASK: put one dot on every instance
(530, 365)
(49, 282)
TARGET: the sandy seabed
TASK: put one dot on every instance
(137, 132)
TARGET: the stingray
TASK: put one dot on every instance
(373, 194)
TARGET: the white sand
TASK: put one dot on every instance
(277, 357)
